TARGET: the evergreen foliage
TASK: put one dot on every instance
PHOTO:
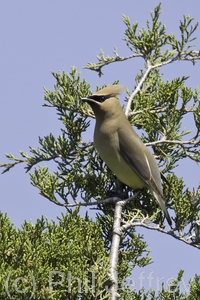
(79, 247)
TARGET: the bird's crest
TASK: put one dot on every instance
(111, 90)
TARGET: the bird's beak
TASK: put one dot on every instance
(88, 100)
(84, 99)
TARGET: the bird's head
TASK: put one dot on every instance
(105, 100)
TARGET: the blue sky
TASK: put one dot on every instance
(38, 37)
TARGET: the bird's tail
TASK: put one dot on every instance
(161, 202)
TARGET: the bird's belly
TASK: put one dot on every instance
(120, 167)
(126, 174)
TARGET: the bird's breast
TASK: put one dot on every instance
(106, 142)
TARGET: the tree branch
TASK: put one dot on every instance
(163, 141)
(77, 203)
(128, 107)
(152, 110)
(179, 56)
(114, 252)
(104, 61)
(142, 223)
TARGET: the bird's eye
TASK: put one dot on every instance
(98, 98)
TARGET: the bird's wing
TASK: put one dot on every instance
(132, 150)
(137, 156)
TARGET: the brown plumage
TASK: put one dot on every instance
(121, 148)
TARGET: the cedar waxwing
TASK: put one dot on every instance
(121, 148)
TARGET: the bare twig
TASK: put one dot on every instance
(78, 203)
(128, 107)
(103, 61)
(103, 201)
(156, 110)
(123, 58)
(163, 141)
(142, 223)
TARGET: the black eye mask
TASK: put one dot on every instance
(99, 98)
